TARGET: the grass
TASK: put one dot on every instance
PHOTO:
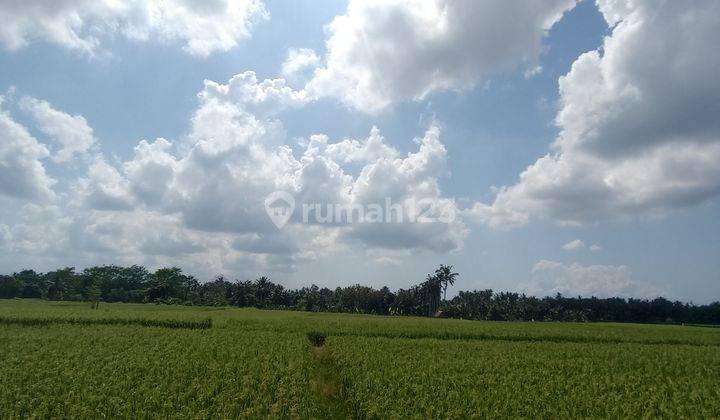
(143, 322)
(432, 378)
(61, 359)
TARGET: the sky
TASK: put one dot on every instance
(553, 146)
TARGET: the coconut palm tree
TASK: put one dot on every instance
(446, 277)
(432, 287)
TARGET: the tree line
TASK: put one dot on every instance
(136, 284)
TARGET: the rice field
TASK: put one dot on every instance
(62, 359)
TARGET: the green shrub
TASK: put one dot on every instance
(316, 338)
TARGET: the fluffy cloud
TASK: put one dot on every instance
(549, 278)
(22, 174)
(299, 61)
(201, 201)
(319, 176)
(350, 150)
(575, 245)
(579, 245)
(203, 27)
(104, 188)
(169, 246)
(380, 53)
(412, 183)
(262, 99)
(639, 133)
(71, 132)
(150, 174)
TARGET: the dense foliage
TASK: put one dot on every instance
(170, 285)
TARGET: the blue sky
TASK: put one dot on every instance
(618, 206)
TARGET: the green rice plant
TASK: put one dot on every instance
(126, 371)
(249, 363)
(162, 323)
(428, 378)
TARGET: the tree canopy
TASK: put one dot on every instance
(171, 285)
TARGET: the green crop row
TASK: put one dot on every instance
(448, 329)
(453, 335)
(381, 326)
(144, 322)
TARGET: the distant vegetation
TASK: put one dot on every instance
(171, 286)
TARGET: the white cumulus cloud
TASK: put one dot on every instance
(201, 201)
(575, 245)
(104, 188)
(22, 173)
(549, 278)
(639, 126)
(299, 61)
(381, 52)
(202, 26)
(71, 132)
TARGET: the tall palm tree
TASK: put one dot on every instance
(432, 287)
(446, 277)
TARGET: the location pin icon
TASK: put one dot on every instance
(279, 206)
